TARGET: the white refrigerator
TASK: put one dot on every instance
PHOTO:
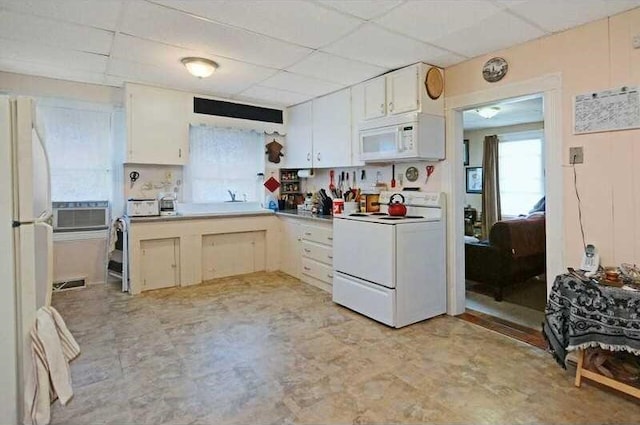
(27, 236)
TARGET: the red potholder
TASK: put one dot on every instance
(272, 184)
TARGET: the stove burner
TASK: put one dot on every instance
(357, 215)
(413, 216)
(392, 218)
(378, 213)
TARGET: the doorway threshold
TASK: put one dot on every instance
(513, 330)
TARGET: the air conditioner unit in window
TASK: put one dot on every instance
(80, 216)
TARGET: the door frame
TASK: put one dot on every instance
(550, 86)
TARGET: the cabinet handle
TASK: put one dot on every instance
(306, 268)
(330, 257)
(318, 156)
(173, 266)
(179, 153)
(299, 238)
(382, 108)
(309, 156)
(307, 250)
(390, 106)
(307, 233)
(330, 238)
(329, 275)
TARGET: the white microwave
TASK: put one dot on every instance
(421, 138)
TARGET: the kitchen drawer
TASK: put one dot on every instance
(321, 253)
(317, 270)
(374, 301)
(317, 234)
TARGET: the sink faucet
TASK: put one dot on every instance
(232, 194)
(244, 197)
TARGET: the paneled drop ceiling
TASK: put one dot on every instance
(277, 52)
(511, 112)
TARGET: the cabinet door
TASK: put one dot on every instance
(375, 98)
(290, 261)
(157, 126)
(160, 265)
(232, 254)
(298, 150)
(402, 90)
(332, 130)
(357, 116)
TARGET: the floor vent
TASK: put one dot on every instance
(69, 284)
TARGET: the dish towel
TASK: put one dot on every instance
(52, 348)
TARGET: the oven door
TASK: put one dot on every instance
(374, 301)
(365, 250)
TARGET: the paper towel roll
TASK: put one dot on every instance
(304, 174)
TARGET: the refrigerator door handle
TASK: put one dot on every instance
(44, 269)
(48, 212)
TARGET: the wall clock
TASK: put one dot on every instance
(495, 69)
(433, 83)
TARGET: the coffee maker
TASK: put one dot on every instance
(168, 204)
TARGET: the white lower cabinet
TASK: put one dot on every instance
(160, 263)
(290, 254)
(232, 254)
(317, 254)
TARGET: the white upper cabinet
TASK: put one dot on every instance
(357, 116)
(299, 147)
(319, 132)
(402, 90)
(332, 130)
(157, 125)
(375, 101)
(399, 92)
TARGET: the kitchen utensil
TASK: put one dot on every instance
(396, 207)
(332, 185)
(363, 174)
(430, 169)
(393, 175)
(400, 177)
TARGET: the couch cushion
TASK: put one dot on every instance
(521, 236)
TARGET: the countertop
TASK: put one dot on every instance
(202, 216)
(306, 215)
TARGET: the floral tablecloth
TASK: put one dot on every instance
(582, 314)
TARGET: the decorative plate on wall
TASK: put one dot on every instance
(495, 69)
(411, 174)
(433, 83)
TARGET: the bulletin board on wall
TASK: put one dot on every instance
(607, 110)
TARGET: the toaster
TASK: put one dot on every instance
(143, 207)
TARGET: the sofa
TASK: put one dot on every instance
(514, 252)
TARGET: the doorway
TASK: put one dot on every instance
(549, 87)
(505, 249)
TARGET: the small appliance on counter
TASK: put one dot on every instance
(168, 204)
(142, 207)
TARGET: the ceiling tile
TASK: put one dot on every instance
(375, 45)
(556, 16)
(431, 20)
(334, 68)
(273, 96)
(494, 33)
(159, 23)
(18, 26)
(232, 76)
(48, 56)
(93, 13)
(49, 71)
(299, 22)
(365, 9)
(300, 84)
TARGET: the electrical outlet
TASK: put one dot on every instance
(576, 155)
(636, 41)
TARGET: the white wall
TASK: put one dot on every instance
(476, 146)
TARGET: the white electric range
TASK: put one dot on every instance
(392, 269)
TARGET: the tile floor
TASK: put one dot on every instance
(265, 348)
(505, 310)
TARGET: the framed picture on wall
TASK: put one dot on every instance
(466, 152)
(474, 179)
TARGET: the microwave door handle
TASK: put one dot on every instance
(400, 140)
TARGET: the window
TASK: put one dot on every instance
(521, 171)
(223, 159)
(78, 141)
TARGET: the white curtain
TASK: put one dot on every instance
(222, 159)
(78, 142)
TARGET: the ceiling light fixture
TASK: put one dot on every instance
(488, 112)
(199, 67)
